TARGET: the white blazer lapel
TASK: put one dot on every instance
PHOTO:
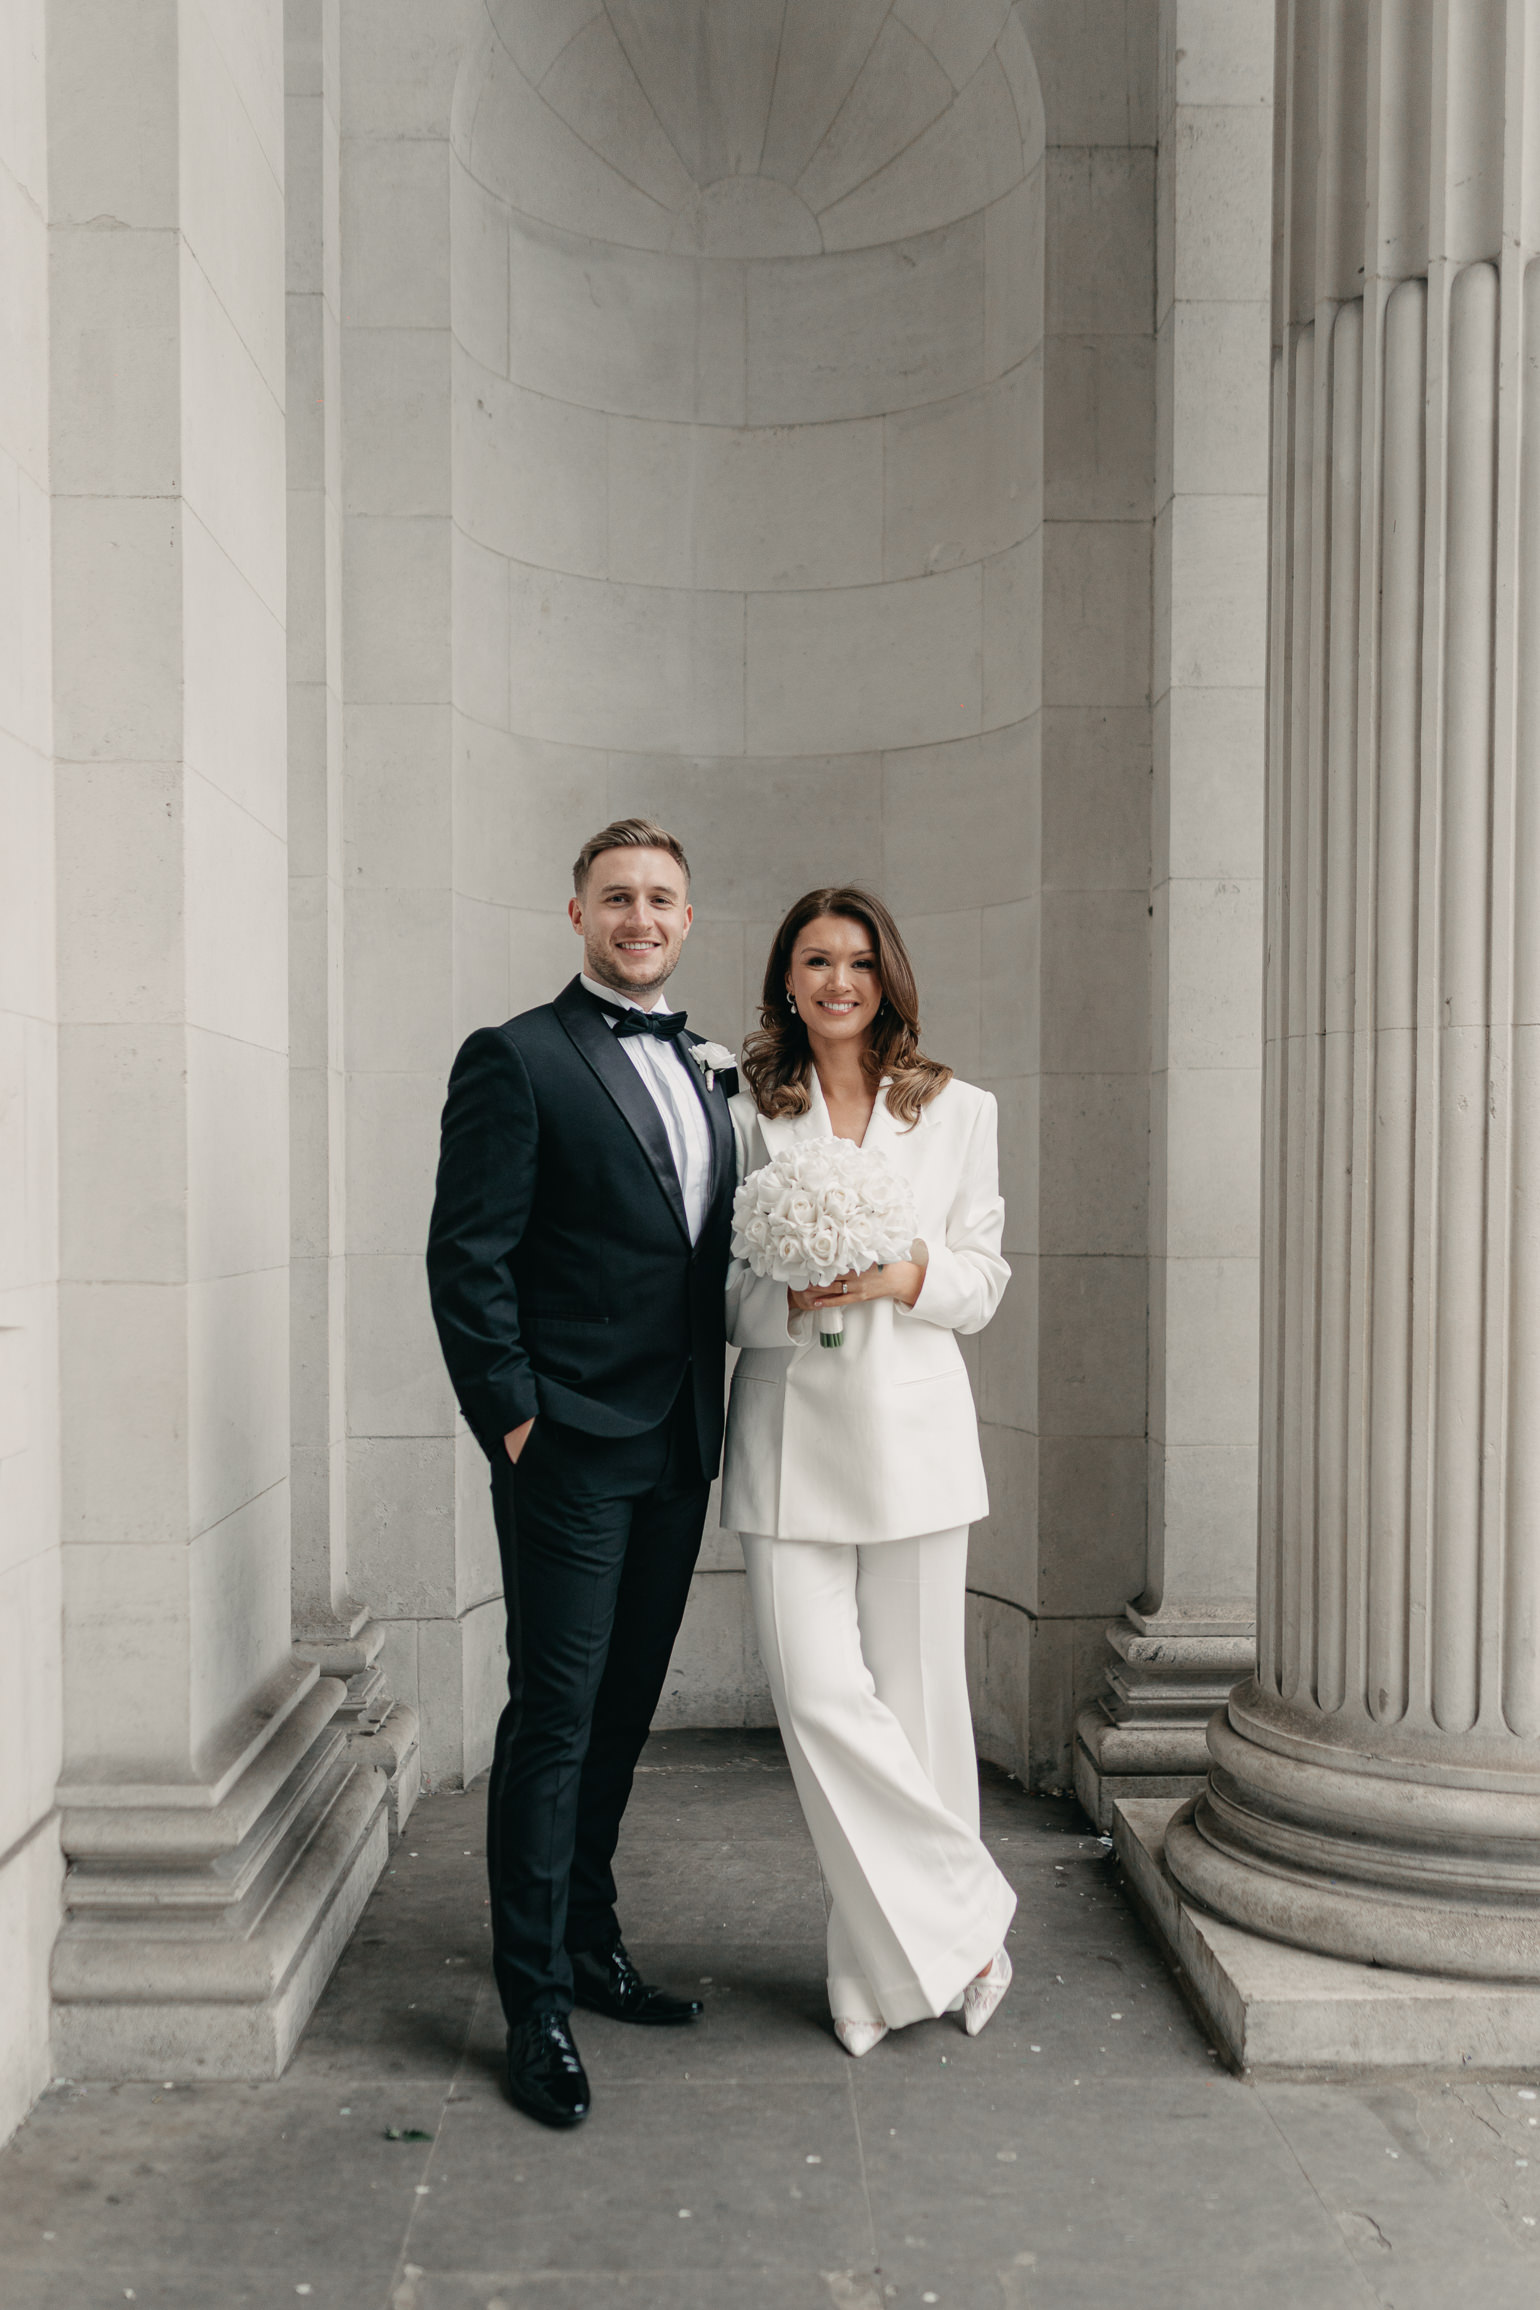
(881, 1131)
(778, 1131)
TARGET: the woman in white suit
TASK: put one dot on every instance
(852, 1478)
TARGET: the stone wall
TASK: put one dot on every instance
(747, 487)
(783, 463)
(30, 1689)
(620, 450)
(1063, 1365)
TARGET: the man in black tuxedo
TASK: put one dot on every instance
(576, 1258)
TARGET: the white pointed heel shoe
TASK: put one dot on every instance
(858, 2037)
(981, 1997)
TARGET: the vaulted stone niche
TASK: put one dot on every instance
(747, 493)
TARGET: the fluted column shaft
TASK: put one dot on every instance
(1375, 1791)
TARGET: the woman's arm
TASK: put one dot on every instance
(759, 1312)
(965, 1277)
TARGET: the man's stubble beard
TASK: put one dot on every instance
(598, 967)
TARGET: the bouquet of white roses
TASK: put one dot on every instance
(823, 1208)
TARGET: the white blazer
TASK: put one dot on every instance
(876, 1439)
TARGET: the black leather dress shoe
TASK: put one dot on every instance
(606, 1981)
(545, 2075)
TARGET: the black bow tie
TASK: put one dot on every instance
(664, 1026)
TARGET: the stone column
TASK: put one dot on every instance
(221, 1839)
(426, 962)
(331, 1627)
(30, 1671)
(1188, 1637)
(1375, 1791)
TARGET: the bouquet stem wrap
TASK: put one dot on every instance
(822, 1209)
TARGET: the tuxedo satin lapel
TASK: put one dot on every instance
(595, 1043)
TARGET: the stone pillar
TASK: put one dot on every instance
(30, 1672)
(331, 1627)
(1188, 1637)
(220, 1837)
(426, 962)
(1375, 1791)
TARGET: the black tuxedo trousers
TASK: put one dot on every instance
(599, 1537)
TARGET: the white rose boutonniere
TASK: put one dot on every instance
(715, 1059)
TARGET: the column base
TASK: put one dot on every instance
(1278, 2011)
(199, 1934)
(381, 1730)
(1146, 1735)
(393, 1744)
(1381, 1854)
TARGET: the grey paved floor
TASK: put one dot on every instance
(1086, 2151)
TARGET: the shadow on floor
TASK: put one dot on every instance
(1088, 2150)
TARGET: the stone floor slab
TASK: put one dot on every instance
(1068, 2174)
(720, 1892)
(216, 2175)
(1419, 2189)
(729, 2287)
(150, 2286)
(680, 2176)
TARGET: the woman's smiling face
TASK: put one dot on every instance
(834, 979)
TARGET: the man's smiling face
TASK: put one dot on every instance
(633, 915)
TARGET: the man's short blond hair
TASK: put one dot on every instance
(627, 834)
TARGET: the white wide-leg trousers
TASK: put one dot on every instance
(863, 1647)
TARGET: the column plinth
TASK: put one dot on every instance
(1146, 1733)
(203, 1917)
(380, 1729)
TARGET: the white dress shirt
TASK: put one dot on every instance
(666, 1072)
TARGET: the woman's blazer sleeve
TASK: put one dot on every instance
(965, 1277)
(758, 1312)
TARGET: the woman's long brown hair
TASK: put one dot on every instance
(777, 1057)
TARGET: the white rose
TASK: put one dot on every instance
(823, 1247)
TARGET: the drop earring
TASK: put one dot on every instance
(791, 1002)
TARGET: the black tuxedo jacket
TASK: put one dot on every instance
(559, 1259)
